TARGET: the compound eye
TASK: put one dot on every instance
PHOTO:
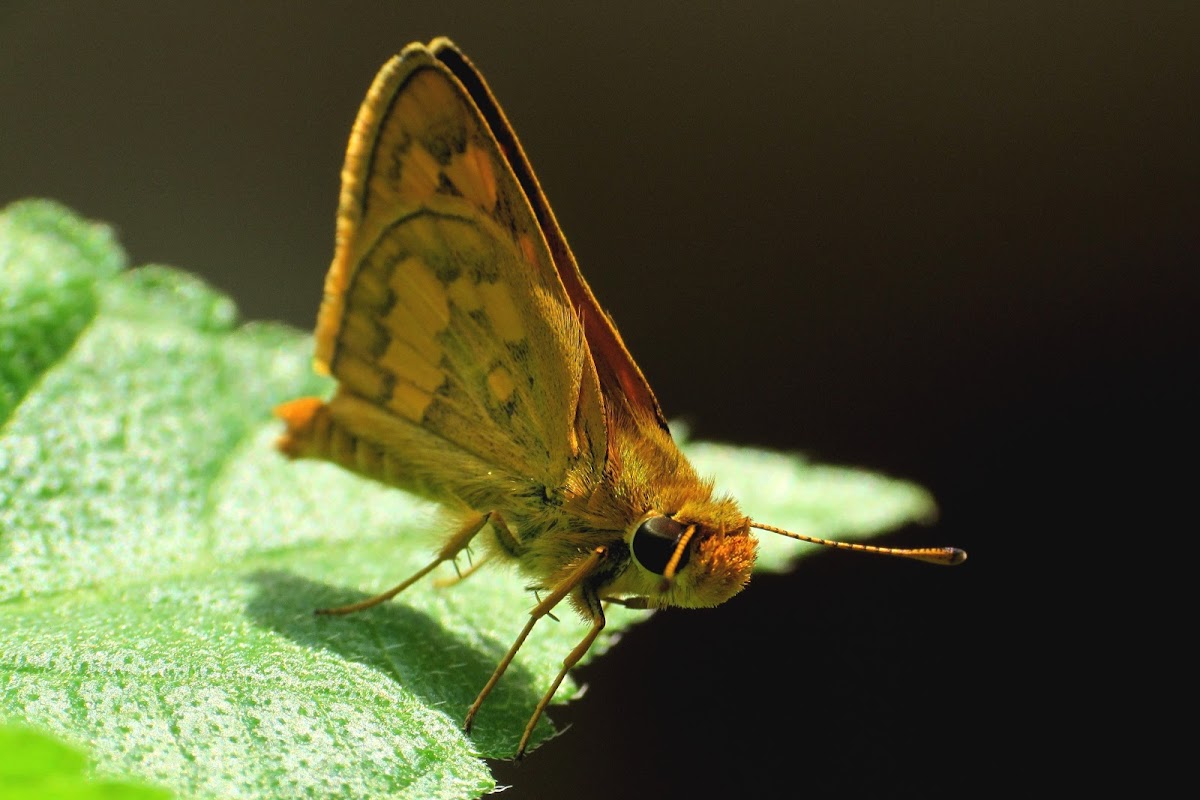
(654, 543)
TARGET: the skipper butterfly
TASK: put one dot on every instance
(475, 367)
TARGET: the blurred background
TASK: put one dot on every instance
(954, 243)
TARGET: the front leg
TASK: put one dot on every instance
(596, 609)
(591, 598)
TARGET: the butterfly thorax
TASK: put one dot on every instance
(646, 478)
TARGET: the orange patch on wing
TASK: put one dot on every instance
(471, 172)
(528, 248)
(418, 175)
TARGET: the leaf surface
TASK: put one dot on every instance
(159, 561)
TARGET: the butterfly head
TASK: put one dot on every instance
(695, 557)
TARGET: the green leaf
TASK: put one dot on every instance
(34, 766)
(159, 561)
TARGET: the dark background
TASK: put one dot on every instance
(956, 244)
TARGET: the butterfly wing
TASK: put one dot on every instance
(623, 385)
(444, 319)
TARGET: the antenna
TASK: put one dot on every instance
(946, 556)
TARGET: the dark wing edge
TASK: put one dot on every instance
(622, 383)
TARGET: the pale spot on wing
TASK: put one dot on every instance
(471, 173)
(403, 361)
(500, 384)
(409, 401)
(422, 308)
(423, 343)
(463, 294)
(500, 309)
(418, 175)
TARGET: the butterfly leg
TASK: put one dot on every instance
(597, 611)
(452, 548)
(592, 600)
(462, 575)
(506, 539)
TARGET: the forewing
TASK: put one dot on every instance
(442, 305)
(621, 380)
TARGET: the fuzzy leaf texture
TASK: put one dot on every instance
(159, 561)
